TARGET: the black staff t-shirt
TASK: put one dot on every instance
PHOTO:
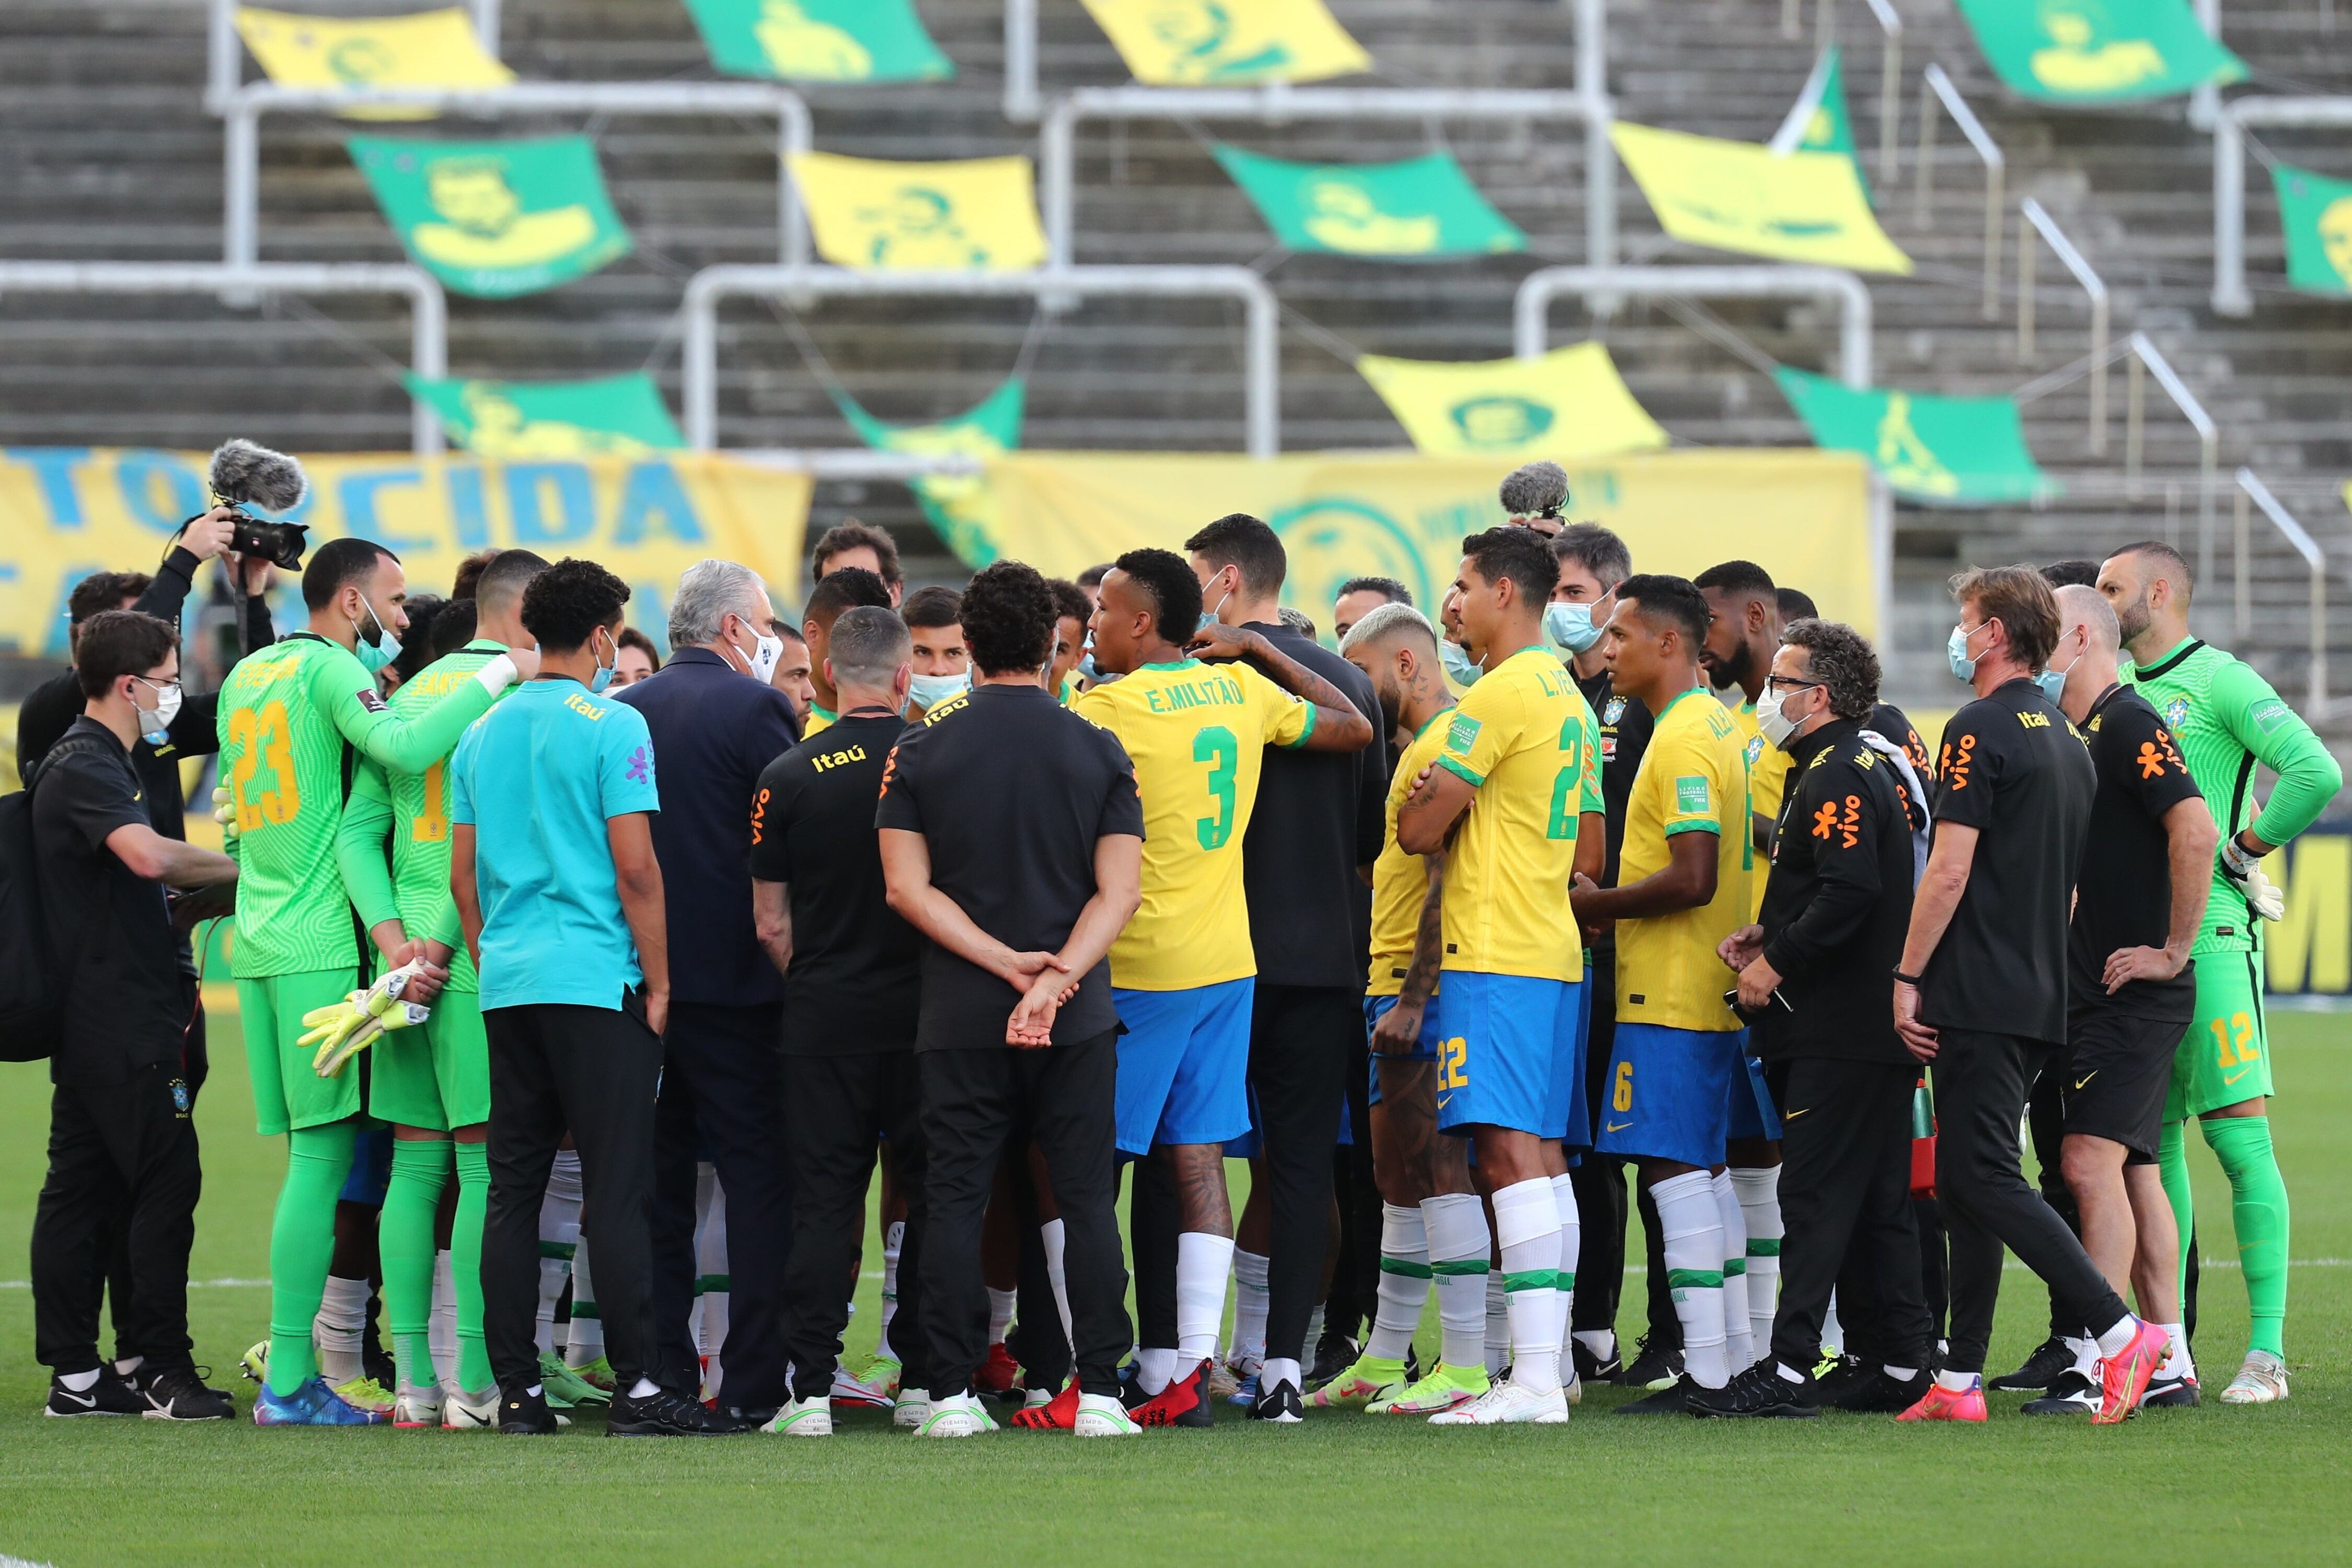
(1626, 726)
(2011, 768)
(1010, 790)
(853, 986)
(2125, 891)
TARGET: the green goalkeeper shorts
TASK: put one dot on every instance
(2225, 1057)
(438, 1075)
(287, 1095)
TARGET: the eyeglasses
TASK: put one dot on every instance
(1782, 683)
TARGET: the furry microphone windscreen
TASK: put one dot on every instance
(244, 472)
(1539, 489)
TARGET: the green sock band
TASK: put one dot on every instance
(2258, 1210)
(302, 1248)
(1404, 1268)
(412, 1203)
(465, 1264)
(1532, 1279)
(2172, 1170)
(1459, 1266)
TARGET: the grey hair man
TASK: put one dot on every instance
(723, 606)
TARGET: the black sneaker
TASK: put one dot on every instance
(1279, 1403)
(1868, 1391)
(1650, 1368)
(179, 1394)
(2071, 1394)
(524, 1413)
(2170, 1394)
(1671, 1400)
(1839, 1375)
(110, 1396)
(2050, 1358)
(1335, 1353)
(662, 1414)
(1591, 1368)
(1758, 1391)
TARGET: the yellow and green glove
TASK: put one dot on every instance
(341, 1030)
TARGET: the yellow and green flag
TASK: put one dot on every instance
(2317, 212)
(1420, 208)
(1735, 196)
(1228, 43)
(428, 49)
(613, 414)
(2098, 51)
(1819, 123)
(496, 219)
(1957, 451)
(977, 214)
(1571, 404)
(820, 40)
(960, 507)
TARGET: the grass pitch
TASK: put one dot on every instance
(2257, 1485)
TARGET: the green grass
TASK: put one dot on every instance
(2253, 1484)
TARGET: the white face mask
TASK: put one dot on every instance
(930, 690)
(1776, 726)
(155, 723)
(767, 652)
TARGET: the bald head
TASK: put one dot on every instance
(2086, 609)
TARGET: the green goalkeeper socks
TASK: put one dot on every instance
(465, 1264)
(302, 1247)
(2172, 1170)
(2258, 1208)
(412, 1201)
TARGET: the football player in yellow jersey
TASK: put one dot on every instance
(1681, 889)
(1516, 801)
(1183, 971)
(843, 588)
(1741, 641)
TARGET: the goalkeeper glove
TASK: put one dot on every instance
(343, 1029)
(2245, 873)
(225, 812)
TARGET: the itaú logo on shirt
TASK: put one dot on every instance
(585, 708)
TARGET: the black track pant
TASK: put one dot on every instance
(976, 1105)
(1982, 1081)
(1845, 1204)
(1303, 1041)
(720, 1100)
(123, 1172)
(1597, 1180)
(2047, 1120)
(835, 1109)
(592, 1071)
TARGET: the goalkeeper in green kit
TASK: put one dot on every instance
(296, 722)
(2225, 718)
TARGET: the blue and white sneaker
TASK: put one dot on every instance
(312, 1404)
(1244, 1392)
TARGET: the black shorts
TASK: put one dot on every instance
(2119, 1066)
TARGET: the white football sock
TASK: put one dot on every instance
(1958, 1382)
(1527, 1227)
(1404, 1282)
(1154, 1369)
(1832, 1331)
(1202, 1262)
(1056, 1272)
(584, 1343)
(1759, 1190)
(1314, 1333)
(894, 1238)
(1001, 1304)
(1456, 1223)
(1692, 1225)
(1280, 1369)
(2178, 1364)
(711, 1285)
(441, 1328)
(1739, 1346)
(1496, 1352)
(1250, 1303)
(1572, 1238)
(336, 1330)
(559, 1238)
(2116, 1338)
(2086, 1354)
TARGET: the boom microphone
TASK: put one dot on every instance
(244, 472)
(1539, 489)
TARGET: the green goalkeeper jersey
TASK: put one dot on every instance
(410, 807)
(288, 716)
(2225, 718)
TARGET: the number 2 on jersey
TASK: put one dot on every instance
(1215, 745)
(430, 825)
(256, 732)
(1564, 788)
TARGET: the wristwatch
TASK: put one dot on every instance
(1904, 979)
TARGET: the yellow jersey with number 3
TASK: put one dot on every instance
(1197, 734)
(1524, 738)
(1693, 779)
(1401, 881)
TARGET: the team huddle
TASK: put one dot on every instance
(1054, 886)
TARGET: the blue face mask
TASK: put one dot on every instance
(604, 676)
(1571, 626)
(375, 656)
(1459, 666)
(1957, 649)
(930, 690)
(2053, 681)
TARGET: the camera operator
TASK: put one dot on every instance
(123, 1144)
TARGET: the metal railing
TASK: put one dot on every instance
(1532, 310)
(428, 307)
(1262, 395)
(225, 51)
(241, 139)
(2251, 488)
(1280, 104)
(2231, 297)
(1022, 104)
(1890, 68)
(2038, 221)
(2145, 360)
(1936, 86)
